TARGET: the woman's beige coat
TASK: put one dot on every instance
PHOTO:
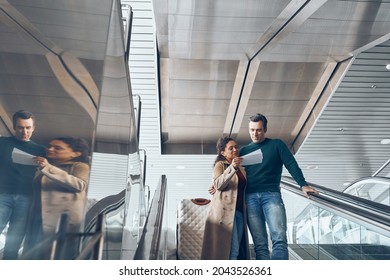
(63, 190)
(220, 218)
(57, 189)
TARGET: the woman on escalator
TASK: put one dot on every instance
(61, 187)
(225, 233)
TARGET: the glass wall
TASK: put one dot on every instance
(318, 233)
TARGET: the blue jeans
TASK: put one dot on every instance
(268, 208)
(238, 232)
(14, 209)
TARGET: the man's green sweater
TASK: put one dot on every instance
(266, 176)
(17, 178)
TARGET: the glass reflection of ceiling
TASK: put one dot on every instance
(377, 190)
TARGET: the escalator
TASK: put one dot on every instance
(329, 226)
(335, 225)
(112, 207)
(149, 244)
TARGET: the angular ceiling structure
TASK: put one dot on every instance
(316, 69)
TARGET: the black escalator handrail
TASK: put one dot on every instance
(103, 206)
(149, 243)
(371, 212)
(377, 178)
(355, 200)
(94, 247)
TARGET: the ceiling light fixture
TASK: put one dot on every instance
(312, 167)
(388, 66)
(385, 141)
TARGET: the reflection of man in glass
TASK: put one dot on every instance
(16, 182)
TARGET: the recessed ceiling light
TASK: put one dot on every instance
(388, 66)
(179, 184)
(385, 141)
(312, 167)
(180, 167)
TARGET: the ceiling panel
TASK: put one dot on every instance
(64, 61)
(314, 68)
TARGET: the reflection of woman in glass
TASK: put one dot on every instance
(62, 180)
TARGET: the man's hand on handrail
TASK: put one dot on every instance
(309, 190)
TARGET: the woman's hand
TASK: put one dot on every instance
(41, 161)
(236, 162)
(212, 190)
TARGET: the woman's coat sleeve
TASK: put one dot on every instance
(75, 182)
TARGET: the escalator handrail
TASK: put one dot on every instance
(94, 247)
(368, 211)
(103, 206)
(149, 243)
(355, 200)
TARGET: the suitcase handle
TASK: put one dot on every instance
(200, 201)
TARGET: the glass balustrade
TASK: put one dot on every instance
(318, 233)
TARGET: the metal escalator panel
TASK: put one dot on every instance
(113, 207)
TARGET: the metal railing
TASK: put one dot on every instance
(335, 225)
(57, 243)
(149, 243)
(355, 207)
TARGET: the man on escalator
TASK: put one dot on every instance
(263, 197)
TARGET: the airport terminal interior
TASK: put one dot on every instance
(153, 84)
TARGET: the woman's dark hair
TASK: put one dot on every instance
(77, 145)
(221, 145)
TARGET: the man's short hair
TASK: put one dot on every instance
(259, 118)
(22, 114)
